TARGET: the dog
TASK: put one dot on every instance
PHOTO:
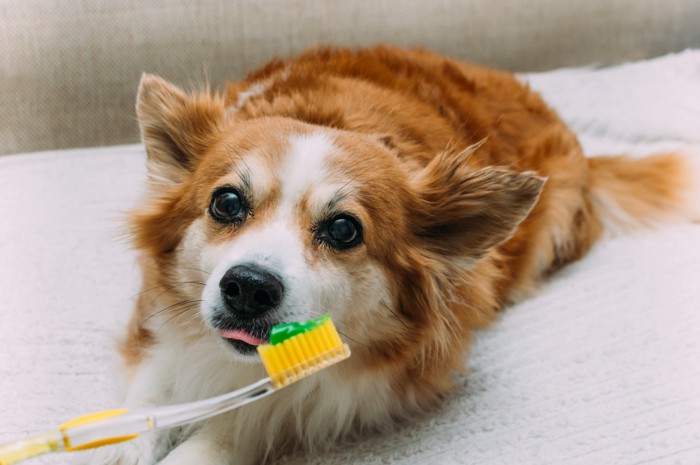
(409, 195)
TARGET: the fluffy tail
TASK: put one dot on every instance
(631, 192)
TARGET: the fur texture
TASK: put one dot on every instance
(465, 189)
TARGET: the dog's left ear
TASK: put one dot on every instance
(463, 212)
(176, 128)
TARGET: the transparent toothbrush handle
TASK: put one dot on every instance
(123, 425)
(176, 415)
(31, 447)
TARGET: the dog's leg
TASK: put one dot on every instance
(139, 451)
(211, 444)
(148, 387)
(200, 450)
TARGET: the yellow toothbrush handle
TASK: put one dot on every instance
(84, 432)
(30, 447)
(92, 430)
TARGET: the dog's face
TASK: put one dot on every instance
(283, 221)
(289, 229)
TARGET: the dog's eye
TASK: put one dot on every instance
(227, 206)
(342, 232)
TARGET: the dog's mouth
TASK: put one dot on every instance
(242, 340)
(245, 337)
(242, 336)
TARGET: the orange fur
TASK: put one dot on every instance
(469, 187)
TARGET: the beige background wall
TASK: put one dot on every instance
(69, 69)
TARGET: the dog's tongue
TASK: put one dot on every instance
(241, 335)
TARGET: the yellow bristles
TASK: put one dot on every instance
(300, 355)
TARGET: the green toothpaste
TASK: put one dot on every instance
(281, 333)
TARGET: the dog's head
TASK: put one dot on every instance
(282, 220)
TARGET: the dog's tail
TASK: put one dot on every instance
(631, 192)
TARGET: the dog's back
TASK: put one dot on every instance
(423, 105)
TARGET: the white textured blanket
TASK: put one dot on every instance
(601, 367)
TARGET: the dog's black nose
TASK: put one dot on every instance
(250, 291)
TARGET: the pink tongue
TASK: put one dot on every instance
(241, 335)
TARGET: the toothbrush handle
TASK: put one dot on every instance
(112, 426)
(31, 447)
(182, 414)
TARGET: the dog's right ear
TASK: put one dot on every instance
(176, 128)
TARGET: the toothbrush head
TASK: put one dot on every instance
(297, 350)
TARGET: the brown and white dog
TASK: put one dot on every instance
(409, 195)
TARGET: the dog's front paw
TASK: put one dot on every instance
(136, 452)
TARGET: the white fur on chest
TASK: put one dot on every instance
(314, 412)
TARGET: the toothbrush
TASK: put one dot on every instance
(295, 351)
